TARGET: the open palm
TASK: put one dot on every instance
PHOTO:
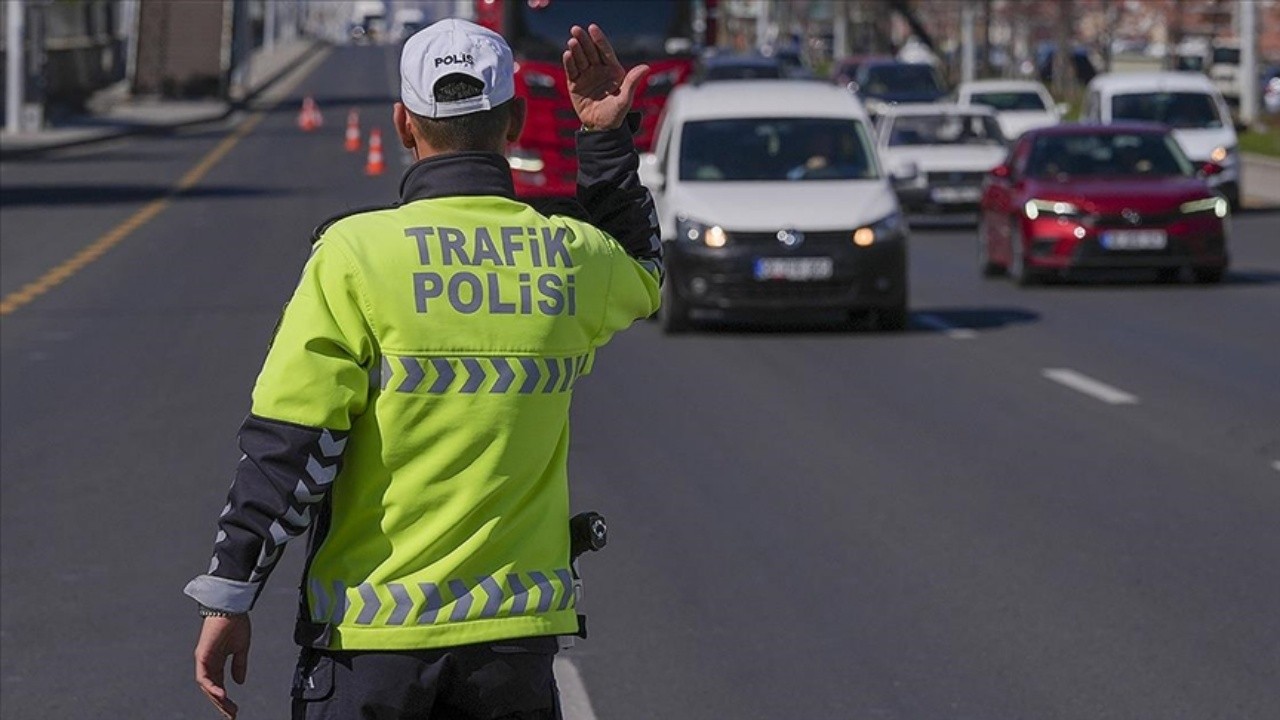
(600, 89)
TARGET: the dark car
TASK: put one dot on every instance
(891, 81)
(743, 66)
(1124, 195)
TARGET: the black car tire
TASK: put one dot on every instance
(1208, 276)
(892, 319)
(675, 311)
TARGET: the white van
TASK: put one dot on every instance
(1189, 103)
(771, 199)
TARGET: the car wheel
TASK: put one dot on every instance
(675, 311)
(1022, 275)
(1209, 276)
(892, 319)
(985, 266)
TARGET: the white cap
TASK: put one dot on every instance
(453, 47)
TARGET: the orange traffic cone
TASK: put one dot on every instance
(353, 131)
(375, 166)
(310, 118)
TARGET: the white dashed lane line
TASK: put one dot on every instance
(574, 702)
(1093, 388)
(933, 322)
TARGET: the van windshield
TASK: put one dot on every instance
(740, 149)
(1185, 110)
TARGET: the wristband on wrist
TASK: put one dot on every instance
(206, 612)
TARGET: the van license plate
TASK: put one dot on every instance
(796, 269)
(1134, 239)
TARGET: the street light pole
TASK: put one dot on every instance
(15, 80)
(1248, 62)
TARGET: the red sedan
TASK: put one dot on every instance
(1101, 196)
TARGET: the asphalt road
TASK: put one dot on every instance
(807, 521)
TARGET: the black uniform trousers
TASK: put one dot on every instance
(506, 680)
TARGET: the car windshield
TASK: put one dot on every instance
(1186, 110)
(944, 129)
(1107, 155)
(741, 149)
(743, 71)
(636, 30)
(1227, 56)
(904, 78)
(1012, 100)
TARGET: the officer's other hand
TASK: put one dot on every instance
(220, 638)
(601, 90)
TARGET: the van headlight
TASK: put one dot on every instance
(1216, 205)
(690, 230)
(1035, 207)
(892, 227)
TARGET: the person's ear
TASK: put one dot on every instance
(404, 125)
(515, 123)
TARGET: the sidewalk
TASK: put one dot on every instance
(113, 114)
(1260, 180)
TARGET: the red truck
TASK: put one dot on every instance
(665, 34)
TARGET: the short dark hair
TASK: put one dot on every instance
(479, 130)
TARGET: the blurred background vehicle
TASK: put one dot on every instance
(1020, 105)
(737, 66)
(771, 199)
(884, 82)
(665, 34)
(1187, 102)
(939, 155)
(1125, 196)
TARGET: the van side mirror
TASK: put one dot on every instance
(651, 173)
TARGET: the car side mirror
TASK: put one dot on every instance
(905, 172)
(651, 174)
(1210, 169)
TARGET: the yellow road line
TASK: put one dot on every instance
(113, 237)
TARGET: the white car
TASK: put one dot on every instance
(1187, 102)
(771, 199)
(1020, 105)
(939, 155)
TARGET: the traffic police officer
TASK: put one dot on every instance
(413, 409)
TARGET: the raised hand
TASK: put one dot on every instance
(600, 89)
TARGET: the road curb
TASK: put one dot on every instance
(115, 133)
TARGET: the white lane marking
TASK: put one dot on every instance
(1087, 385)
(574, 701)
(933, 322)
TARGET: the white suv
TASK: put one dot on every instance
(1187, 102)
(771, 198)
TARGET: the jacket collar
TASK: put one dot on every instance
(457, 173)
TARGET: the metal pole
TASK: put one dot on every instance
(269, 26)
(967, 42)
(1248, 62)
(15, 81)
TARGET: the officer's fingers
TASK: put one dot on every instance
(579, 56)
(607, 55)
(570, 69)
(240, 666)
(632, 80)
(588, 44)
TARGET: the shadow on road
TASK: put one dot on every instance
(45, 195)
(923, 321)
